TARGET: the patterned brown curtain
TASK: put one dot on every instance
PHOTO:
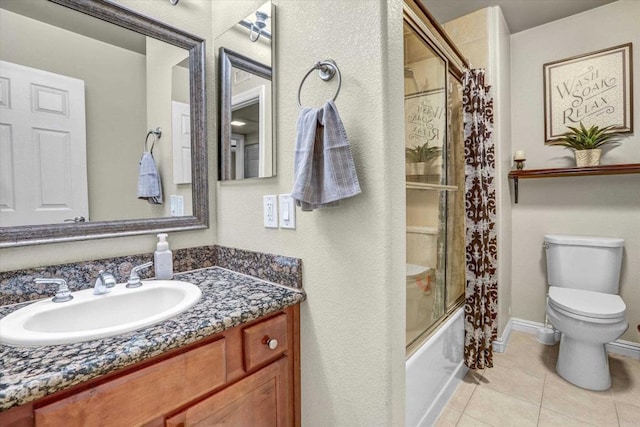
(481, 293)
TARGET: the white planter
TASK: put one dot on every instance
(409, 168)
(588, 157)
(415, 168)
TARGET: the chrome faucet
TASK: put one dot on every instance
(134, 279)
(104, 281)
(63, 294)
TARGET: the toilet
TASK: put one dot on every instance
(419, 283)
(583, 274)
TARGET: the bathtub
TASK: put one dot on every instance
(434, 371)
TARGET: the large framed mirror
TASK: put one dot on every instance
(247, 102)
(137, 85)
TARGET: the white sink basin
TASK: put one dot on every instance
(90, 316)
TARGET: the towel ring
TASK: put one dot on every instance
(327, 69)
(157, 133)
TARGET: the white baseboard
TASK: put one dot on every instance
(526, 326)
(621, 347)
(625, 348)
(500, 345)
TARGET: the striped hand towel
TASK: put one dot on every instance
(149, 185)
(324, 171)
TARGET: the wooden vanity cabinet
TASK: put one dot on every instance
(258, 400)
(138, 397)
(245, 376)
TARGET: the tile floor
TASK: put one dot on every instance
(523, 389)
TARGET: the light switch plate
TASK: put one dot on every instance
(177, 205)
(287, 211)
(270, 211)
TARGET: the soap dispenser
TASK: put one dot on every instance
(163, 259)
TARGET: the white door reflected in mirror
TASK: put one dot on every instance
(248, 115)
(43, 154)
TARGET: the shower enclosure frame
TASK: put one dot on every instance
(424, 26)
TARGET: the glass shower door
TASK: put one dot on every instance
(455, 207)
(433, 176)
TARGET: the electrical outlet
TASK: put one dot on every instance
(270, 211)
(287, 211)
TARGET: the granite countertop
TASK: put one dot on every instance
(228, 300)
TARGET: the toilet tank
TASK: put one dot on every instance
(584, 262)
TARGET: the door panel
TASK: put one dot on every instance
(181, 135)
(42, 147)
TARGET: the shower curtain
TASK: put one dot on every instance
(481, 292)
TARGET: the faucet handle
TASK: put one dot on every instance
(108, 279)
(104, 281)
(134, 279)
(63, 294)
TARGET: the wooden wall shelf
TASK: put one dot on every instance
(562, 172)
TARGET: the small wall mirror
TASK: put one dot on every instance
(247, 110)
(96, 78)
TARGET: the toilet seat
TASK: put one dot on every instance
(419, 276)
(414, 271)
(590, 306)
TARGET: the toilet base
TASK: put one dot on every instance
(584, 364)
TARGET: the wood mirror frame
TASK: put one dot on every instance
(123, 17)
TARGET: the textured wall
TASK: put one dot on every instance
(353, 353)
(353, 255)
(595, 205)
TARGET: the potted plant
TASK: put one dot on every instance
(586, 143)
(417, 157)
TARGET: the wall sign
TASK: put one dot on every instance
(595, 89)
(425, 118)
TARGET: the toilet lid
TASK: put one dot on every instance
(587, 303)
(414, 271)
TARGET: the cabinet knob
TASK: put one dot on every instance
(272, 343)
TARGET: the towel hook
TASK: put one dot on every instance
(327, 69)
(157, 133)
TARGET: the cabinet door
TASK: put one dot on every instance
(141, 396)
(259, 400)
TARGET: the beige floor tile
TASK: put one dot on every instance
(628, 415)
(554, 419)
(448, 418)
(464, 391)
(509, 395)
(467, 421)
(526, 354)
(515, 383)
(595, 407)
(625, 379)
(499, 409)
(552, 356)
(623, 364)
(521, 340)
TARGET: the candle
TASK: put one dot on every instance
(519, 155)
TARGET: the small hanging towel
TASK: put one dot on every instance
(324, 172)
(149, 185)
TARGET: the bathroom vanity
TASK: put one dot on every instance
(233, 358)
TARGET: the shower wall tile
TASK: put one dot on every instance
(468, 28)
